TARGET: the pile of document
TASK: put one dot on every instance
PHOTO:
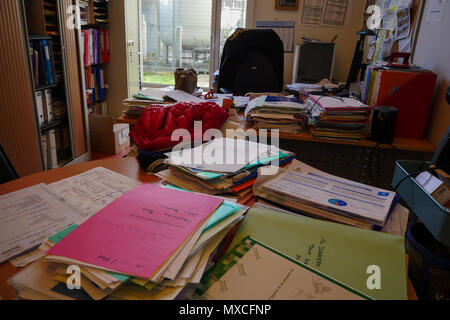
(306, 88)
(140, 242)
(223, 167)
(304, 189)
(135, 106)
(338, 118)
(277, 113)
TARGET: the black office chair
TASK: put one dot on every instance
(252, 61)
(7, 170)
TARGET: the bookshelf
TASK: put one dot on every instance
(94, 52)
(60, 123)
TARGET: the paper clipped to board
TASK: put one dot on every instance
(137, 233)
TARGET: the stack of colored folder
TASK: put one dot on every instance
(234, 180)
(338, 118)
(135, 106)
(281, 113)
(148, 244)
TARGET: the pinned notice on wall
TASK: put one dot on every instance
(403, 23)
(321, 12)
(284, 29)
(435, 11)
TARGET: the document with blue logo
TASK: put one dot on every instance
(310, 186)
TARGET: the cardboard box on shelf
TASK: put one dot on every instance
(107, 136)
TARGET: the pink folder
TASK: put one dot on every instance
(86, 47)
(137, 233)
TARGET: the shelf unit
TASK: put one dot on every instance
(63, 132)
(94, 51)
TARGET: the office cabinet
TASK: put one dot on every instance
(42, 107)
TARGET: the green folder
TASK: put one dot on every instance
(145, 97)
(342, 252)
(215, 273)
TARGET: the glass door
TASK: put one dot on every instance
(133, 46)
(186, 34)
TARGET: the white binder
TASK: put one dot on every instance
(49, 105)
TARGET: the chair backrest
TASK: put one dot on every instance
(7, 170)
(252, 61)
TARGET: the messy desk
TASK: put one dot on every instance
(126, 166)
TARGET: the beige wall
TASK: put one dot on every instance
(433, 52)
(345, 43)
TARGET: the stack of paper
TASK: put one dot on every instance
(29, 216)
(281, 113)
(318, 194)
(338, 118)
(148, 244)
(134, 107)
(222, 167)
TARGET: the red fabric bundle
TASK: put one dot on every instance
(154, 128)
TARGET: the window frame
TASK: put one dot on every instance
(215, 41)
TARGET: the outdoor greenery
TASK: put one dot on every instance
(160, 77)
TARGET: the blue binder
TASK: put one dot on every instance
(100, 85)
(48, 63)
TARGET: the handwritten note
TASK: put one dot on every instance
(94, 189)
(137, 233)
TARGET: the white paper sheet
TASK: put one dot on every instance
(182, 96)
(28, 217)
(94, 189)
(435, 11)
(222, 155)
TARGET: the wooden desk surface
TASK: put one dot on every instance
(404, 144)
(126, 166)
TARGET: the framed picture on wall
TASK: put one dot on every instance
(286, 4)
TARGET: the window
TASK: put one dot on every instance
(186, 34)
